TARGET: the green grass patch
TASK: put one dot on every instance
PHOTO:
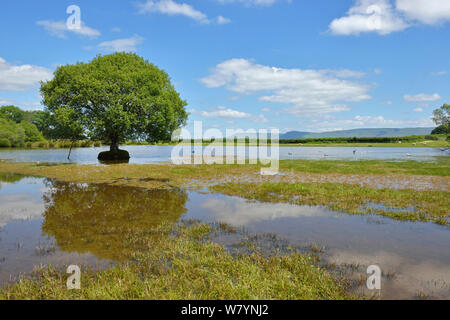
(435, 168)
(177, 265)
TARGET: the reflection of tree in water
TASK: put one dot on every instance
(98, 218)
(10, 177)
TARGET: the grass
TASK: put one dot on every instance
(408, 205)
(183, 264)
(434, 168)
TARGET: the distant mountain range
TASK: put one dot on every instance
(359, 133)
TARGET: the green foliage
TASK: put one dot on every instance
(43, 121)
(66, 124)
(12, 113)
(114, 98)
(15, 128)
(442, 129)
(4, 143)
(441, 116)
(13, 132)
(32, 133)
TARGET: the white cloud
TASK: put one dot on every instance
(223, 112)
(59, 29)
(120, 45)
(369, 16)
(265, 109)
(421, 97)
(440, 73)
(4, 102)
(381, 17)
(387, 103)
(260, 119)
(305, 91)
(172, 8)
(418, 110)
(223, 20)
(21, 77)
(425, 11)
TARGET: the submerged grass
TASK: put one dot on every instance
(409, 205)
(181, 263)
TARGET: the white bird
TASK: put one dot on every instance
(408, 154)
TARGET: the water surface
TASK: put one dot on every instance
(49, 222)
(155, 154)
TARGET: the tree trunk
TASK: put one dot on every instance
(70, 150)
(114, 147)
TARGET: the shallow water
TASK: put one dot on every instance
(47, 222)
(154, 154)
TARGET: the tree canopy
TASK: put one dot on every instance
(114, 98)
(12, 113)
(441, 117)
(16, 127)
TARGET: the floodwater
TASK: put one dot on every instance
(154, 154)
(47, 222)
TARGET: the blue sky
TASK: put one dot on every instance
(291, 64)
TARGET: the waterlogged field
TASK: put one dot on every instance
(224, 231)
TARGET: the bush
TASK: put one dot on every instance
(4, 143)
(42, 144)
(86, 144)
(65, 144)
(431, 137)
(11, 131)
(32, 133)
(29, 145)
(97, 144)
(76, 144)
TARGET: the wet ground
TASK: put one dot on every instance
(47, 222)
